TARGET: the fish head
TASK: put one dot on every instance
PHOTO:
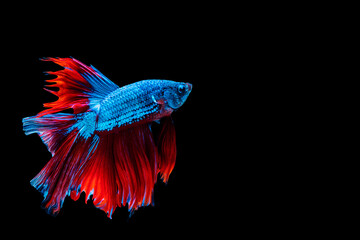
(176, 93)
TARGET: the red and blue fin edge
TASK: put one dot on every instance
(80, 87)
(114, 169)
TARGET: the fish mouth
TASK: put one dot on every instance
(189, 86)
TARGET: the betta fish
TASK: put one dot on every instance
(105, 147)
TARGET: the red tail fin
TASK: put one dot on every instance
(124, 167)
(121, 171)
(116, 168)
(56, 178)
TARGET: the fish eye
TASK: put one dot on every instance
(181, 88)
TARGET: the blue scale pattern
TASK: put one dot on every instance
(129, 104)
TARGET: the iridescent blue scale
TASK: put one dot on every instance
(129, 104)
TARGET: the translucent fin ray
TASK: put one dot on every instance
(51, 128)
(80, 87)
(167, 148)
(121, 171)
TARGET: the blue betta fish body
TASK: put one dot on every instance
(138, 102)
(105, 148)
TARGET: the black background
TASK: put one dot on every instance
(248, 148)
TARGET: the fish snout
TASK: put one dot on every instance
(189, 86)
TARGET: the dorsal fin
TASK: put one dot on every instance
(80, 87)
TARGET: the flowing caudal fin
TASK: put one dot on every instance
(69, 139)
(55, 180)
(122, 170)
(117, 168)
